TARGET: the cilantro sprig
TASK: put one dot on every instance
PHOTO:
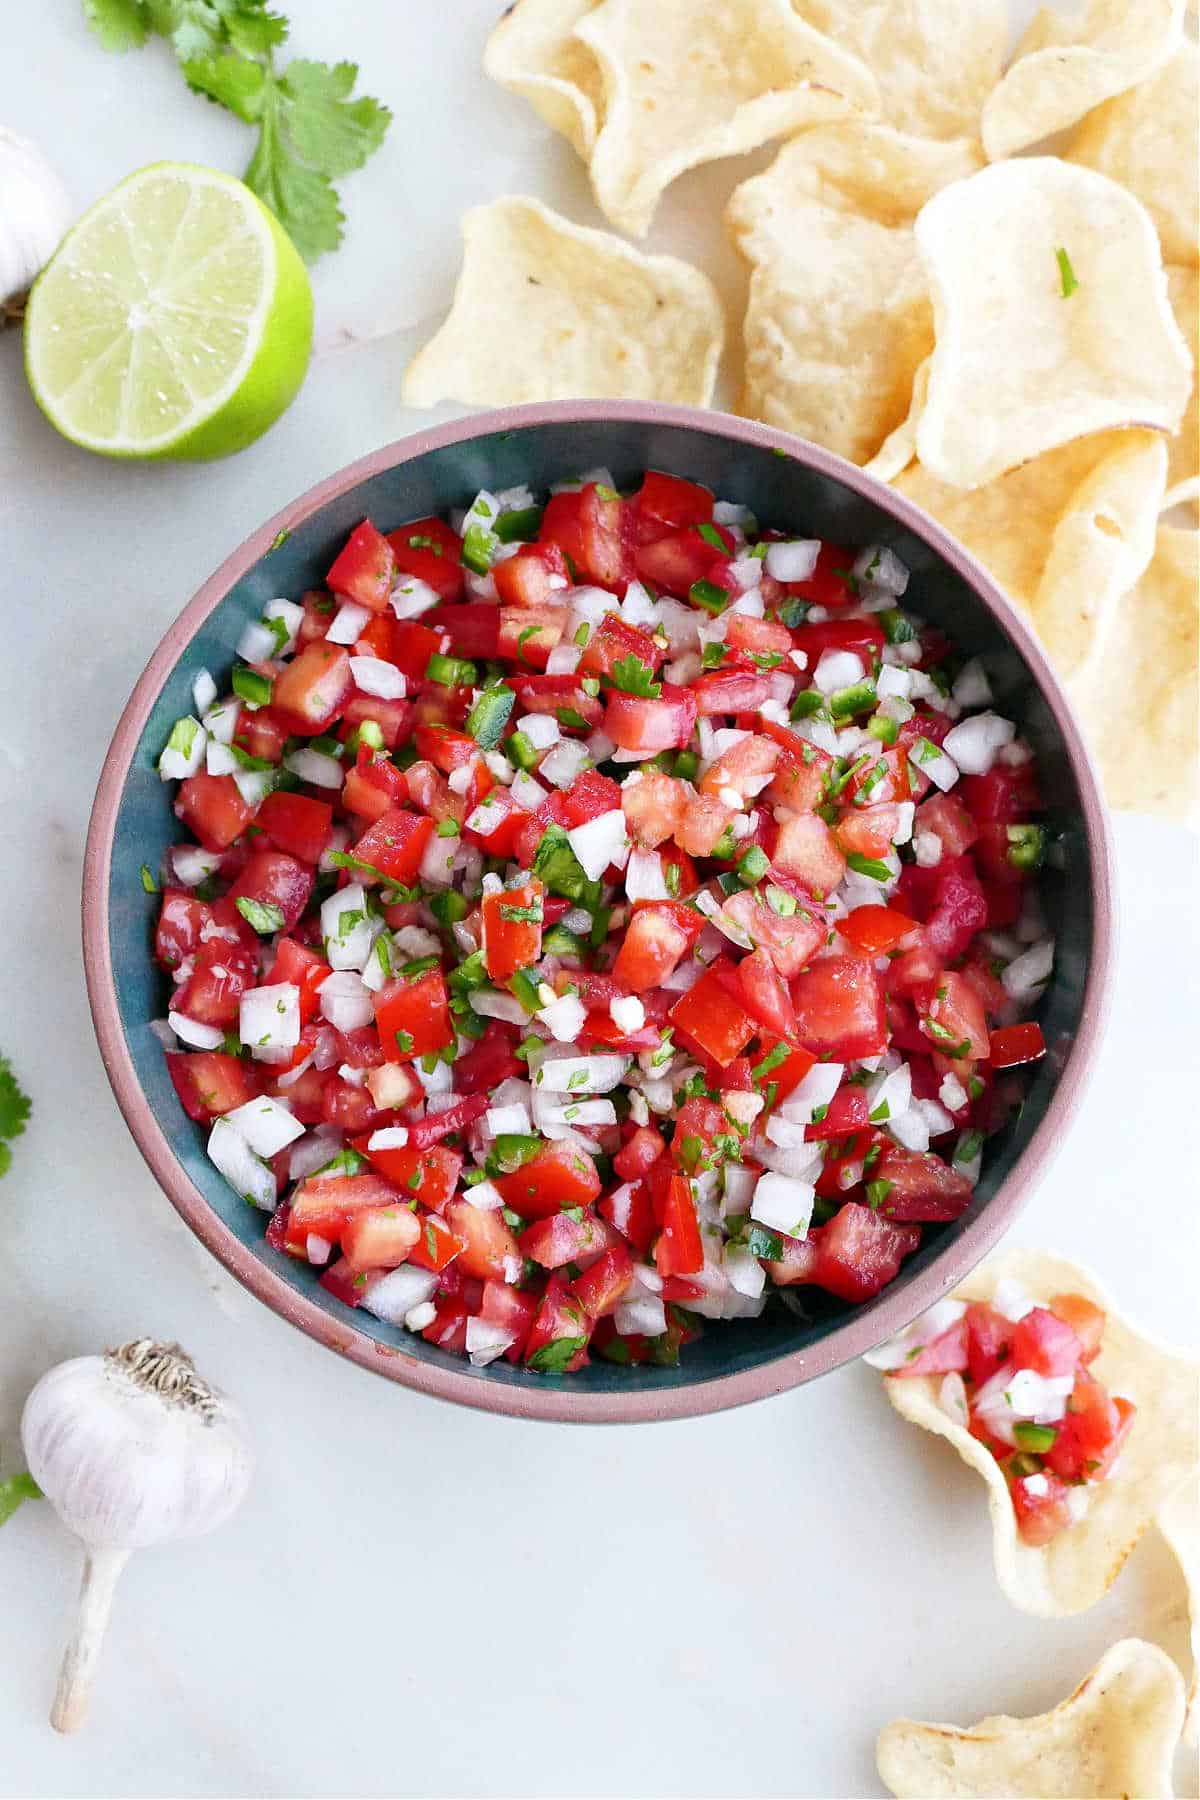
(630, 675)
(311, 131)
(14, 1111)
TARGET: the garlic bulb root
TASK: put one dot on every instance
(35, 211)
(131, 1448)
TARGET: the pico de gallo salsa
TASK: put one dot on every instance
(600, 913)
(1017, 1376)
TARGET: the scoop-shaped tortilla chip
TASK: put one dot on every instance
(1179, 1522)
(1183, 285)
(1136, 693)
(1116, 1734)
(839, 316)
(546, 310)
(899, 447)
(1161, 1452)
(1052, 318)
(1146, 140)
(1011, 524)
(687, 81)
(534, 52)
(936, 61)
(1068, 63)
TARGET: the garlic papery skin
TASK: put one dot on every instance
(131, 1448)
(35, 211)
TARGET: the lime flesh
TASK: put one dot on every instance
(174, 320)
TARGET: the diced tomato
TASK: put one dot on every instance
(380, 1238)
(839, 1008)
(529, 633)
(533, 577)
(613, 641)
(946, 818)
(1086, 1319)
(759, 636)
(565, 1238)
(373, 789)
(875, 929)
(680, 559)
(558, 1337)
(588, 797)
(1005, 795)
(667, 503)
(654, 808)
(348, 1107)
(323, 1205)
(496, 824)
(212, 809)
(489, 1250)
(679, 1250)
(427, 1173)
(829, 584)
(453, 1118)
(1042, 1511)
(413, 643)
(180, 919)
(1016, 1044)
(1045, 1343)
(631, 1211)
(959, 910)
(221, 973)
(311, 691)
(941, 1356)
(393, 717)
(638, 1153)
(429, 550)
(847, 1112)
(807, 849)
(743, 770)
(989, 1334)
(956, 1024)
(599, 1289)
(855, 1255)
(636, 723)
(656, 940)
(710, 1017)
(488, 1062)
(1092, 1432)
(344, 1282)
(730, 691)
(922, 1186)
(557, 1177)
(869, 832)
(295, 823)
(437, 1245)
(765, 994)
(473, 629)
(702, 824)
(395, 844)
(511, 1310)
(413, 1016)
(363, 569)
(861, 636)
(512, 929)
(789, 938)
(261, 734)
(697, 1127)
(605, 538)
(272, 879)
(210, 1083)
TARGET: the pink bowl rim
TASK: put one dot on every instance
(860, 1332)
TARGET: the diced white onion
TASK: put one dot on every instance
(506, 1119)
(564, 1018)
(221, 721)
(229, 1152)
(490, 1003)
(204, 692)
(927, 848)
(269, 1017)
(541, 729)
(313, 1152)
(793, 560)
(817, 1089)
(256, 644)
(972, 687)
(346, 1001)
(644, 878)
(952, 1398)
(175, 765)
(941, 769)
(397, 1293)
(565, 763)
(898, 1350)
(190, 865)
(348, 623)
(882, 568)
(195, 1032)
(266, 1125)
(485, 1341)
(599, 842)
(579, 1075)
(1023, 979)
(893, 683)
(347, 928)
(783, 1203)
(372, 675)
(838, 669)
(974, 744)
(1011, 1299)
(315, 768)
(627, 1012)
(219, 759)
(644, 1315)
(563, 659)
(291, 616)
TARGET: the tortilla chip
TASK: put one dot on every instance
(936, 61)
(1179, 1522)
(1116, 1734)
(687, 81)
(1069, 63)
(533, 51)
(839, 316)
(1136, 693)
(900, 446)
(1011, 524)
(546, 310)
(1146, 140)
(1024, 360)
(1161, 1452)
(1183, 285)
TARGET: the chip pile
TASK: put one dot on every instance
(1009, 338)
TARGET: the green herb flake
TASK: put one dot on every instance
(149, 885)
(404, 1042)
(553, 1358)
(1066, 273)
(632, 676)
(263, 916)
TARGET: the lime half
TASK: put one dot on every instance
(174, 320)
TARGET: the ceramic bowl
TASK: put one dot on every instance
(786, 482)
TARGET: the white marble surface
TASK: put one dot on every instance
(418, 1600)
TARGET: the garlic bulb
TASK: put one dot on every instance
(34, 213)
(130, 1448)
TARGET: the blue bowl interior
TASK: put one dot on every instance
(782, 492)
